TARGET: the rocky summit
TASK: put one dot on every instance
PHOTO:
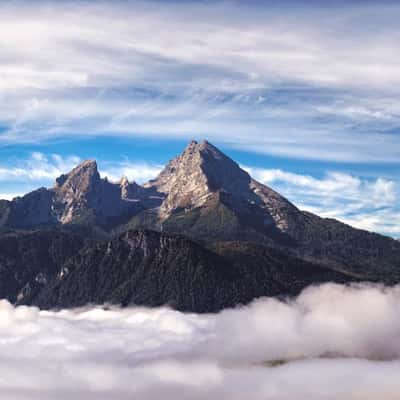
(222, 236)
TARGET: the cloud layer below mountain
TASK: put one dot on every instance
(321, 345)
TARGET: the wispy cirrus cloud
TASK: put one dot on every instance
(283, 85)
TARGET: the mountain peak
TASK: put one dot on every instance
(193, 144)
(221, 171)
(86, 166)
(204, 146)
(85, 170)
(199, 159)
(196, 175)
(74, 188)
(88, 163)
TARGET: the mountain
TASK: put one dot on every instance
(209, 198)
(240, 238)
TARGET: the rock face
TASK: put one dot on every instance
(202, 173)
(206, 197)
(78, 191)
(195, 177)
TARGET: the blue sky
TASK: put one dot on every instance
(304, 95)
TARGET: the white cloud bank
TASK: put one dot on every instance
(338, 343)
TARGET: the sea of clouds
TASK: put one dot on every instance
(331, 342)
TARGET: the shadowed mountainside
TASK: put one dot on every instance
(147, 268)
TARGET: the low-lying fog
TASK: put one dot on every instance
(332, 342)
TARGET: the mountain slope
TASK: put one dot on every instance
(30, 260)
(152, 269)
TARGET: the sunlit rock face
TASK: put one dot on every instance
(76, 191)
(202, 173)
(183, 181)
